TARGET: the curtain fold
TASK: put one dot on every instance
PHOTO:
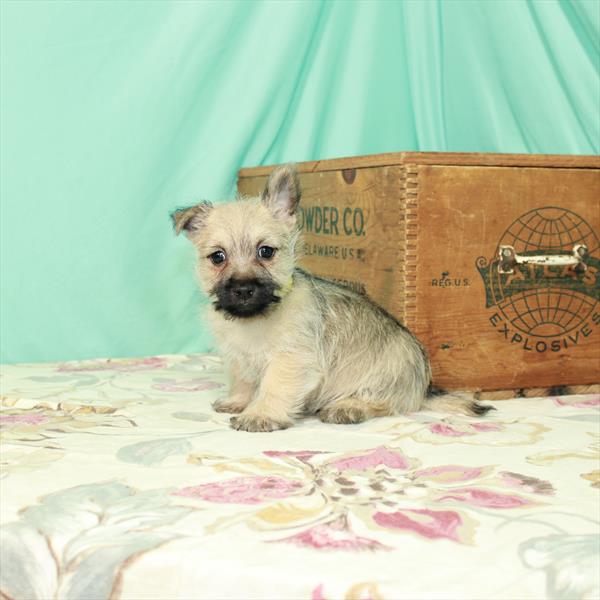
(113, 113)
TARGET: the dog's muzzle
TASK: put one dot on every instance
(245, 297)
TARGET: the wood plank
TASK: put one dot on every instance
(572, 161)
(528, 339)
(420, 221)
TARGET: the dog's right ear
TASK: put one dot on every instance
(191, 219)
(282, 192)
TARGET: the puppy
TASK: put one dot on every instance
(295, 344)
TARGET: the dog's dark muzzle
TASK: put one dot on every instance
(245, 297)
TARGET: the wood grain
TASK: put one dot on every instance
(464, 213)
(571, 161)
(350, 224)
(408, 229)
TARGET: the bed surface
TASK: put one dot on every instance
(120, 481)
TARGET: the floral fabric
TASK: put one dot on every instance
(120, 481)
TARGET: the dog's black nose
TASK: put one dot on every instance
(245, 297)
(244, 290)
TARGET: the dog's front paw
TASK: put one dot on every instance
(228, 406)
(257, 423)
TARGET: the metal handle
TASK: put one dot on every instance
(509, 258)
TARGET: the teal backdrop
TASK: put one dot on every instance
(113, 113)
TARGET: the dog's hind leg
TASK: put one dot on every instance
(352, 410)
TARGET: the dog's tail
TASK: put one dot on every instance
(454, 402)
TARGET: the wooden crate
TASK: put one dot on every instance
(421, 234)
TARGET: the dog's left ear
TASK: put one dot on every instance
(282, 192)
(190, 219)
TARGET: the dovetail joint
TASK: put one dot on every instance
(408, 245)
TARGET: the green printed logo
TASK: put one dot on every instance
(538, 304)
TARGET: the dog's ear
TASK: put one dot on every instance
(282, 192)
(190, 219)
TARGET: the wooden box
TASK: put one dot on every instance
(492, 260)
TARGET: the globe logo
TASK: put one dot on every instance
(552, 287)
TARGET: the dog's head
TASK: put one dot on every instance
(246, 249)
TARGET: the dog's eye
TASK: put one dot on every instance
(217, 257)
(266, 252)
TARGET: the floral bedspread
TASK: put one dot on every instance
(120, 481)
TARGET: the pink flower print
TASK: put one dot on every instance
(463, 429)
(447, 430)
(485, 498)
(242, 490)
(333, 536)
(526, 483)
(432, 524)
(579, 401)
(449, 473)
(302, 455)
(485, 427)
(317, 593)
(190, 385)
(22, 419)
(123, 364)
(356, 592)
(379, 456)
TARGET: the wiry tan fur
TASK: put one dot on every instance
(319, 348)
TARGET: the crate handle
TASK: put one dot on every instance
(509, 258)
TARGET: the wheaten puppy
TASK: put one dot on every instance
(295, 344)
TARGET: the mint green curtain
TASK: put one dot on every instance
(112, 113)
